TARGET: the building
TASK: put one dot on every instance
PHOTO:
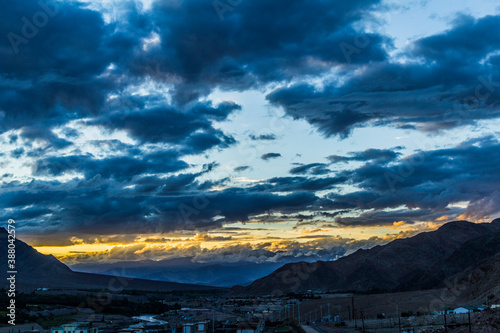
(146, 328)
(76, 327)
(250, 327)
(464, 309)
(446, 311)
(200, 327)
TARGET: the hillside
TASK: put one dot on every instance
(479, 284)
(468, 257)
(382, 268)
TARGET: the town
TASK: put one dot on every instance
(53, 311)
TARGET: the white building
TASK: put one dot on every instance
(464, 309)
(76, 327)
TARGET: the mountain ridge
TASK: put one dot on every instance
(382, 268)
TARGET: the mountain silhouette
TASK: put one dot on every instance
(36, 270)
(403, 264)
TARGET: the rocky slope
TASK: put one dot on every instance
(382, 268)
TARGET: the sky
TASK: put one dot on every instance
(236, 130)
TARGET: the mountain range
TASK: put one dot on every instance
(220, 271)
(427, 260)
(459, 255)
(185, 270)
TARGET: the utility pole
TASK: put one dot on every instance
(355, 321)
(399, 317)
(354, 316)
(352, 308)
(321, 312)
(470, 325)
(298, 311)
(445, 327)
(213, 320)
(329, 311)
(362, 320)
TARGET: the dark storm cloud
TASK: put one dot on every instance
(292, 184)
(16, 153)
(49, 71)
(286, 184)
(191, 129)
(199, 142)
(373, 155)
(65, 70)
(115, 145)
(119, 167)
(387, 218)
(268, 156)
(449, 80)
(263, 137)
(62, 60)
(241, 168)
(78, 67)
(258, 42)
(313, 168)
(411, 189)
(84, 205)
(239, 205)
(470, 39)
(427, 182)
(175, 184)
(164, 186)
(38, 133)
(377, 156)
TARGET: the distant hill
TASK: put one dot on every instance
(36, 270)
(403, 264)
(216, 271)
(185, 270)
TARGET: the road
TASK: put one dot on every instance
(309, 329)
